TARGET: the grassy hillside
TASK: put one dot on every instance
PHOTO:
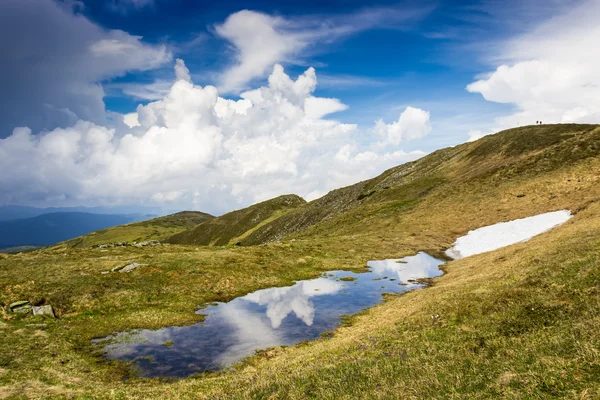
(481, 166)
(519, 322)
(236, 225)
(153, 229)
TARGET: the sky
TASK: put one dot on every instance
(214, 106)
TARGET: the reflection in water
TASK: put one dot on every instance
(408, 268)
(281, 302)
(266, 318)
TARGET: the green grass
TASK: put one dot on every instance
(236, 225)
(154, 229)
(519, 322)
(515, 155)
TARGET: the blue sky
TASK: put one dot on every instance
(423, 59)
(270, 97)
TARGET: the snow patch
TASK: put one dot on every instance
(504, 234)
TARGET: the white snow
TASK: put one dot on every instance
(504, 234)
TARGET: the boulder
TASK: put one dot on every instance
(131, 267)
(22, 307)
(43, 310)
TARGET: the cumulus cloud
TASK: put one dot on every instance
(181, 71)
(412, 124)
(260, 40)
(45, 91)
(195, 149)
(551, 74)
(131, 120)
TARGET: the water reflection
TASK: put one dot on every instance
(408, 268)
(266, 318)
(280, 302)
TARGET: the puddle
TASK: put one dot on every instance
(289, 315)
(266, 318)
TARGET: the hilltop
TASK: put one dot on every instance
(518, 322)
(233, 227)
(464, 172)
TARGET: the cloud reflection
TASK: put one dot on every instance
(282, 301)
(408, 268)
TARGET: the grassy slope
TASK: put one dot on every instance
(227, 228)
(519, 322)
(154, 229)
(516, 154)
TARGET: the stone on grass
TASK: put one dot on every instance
(131, 267)
(22, 307)
(43, 310)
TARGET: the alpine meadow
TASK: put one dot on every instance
(300, 200)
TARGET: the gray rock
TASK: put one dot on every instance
(22, 307)
(43, 310)
(131, 267)
(147, 243)
(115, 269)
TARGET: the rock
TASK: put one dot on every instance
(131, 267)
(22, 307)
(43, 310)
(147, 243)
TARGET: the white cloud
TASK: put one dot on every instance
(131, 120)
(260, 40)
(318, 107)
(125, 52)
(142, 91)
(53, 59)
(181, 71)
(195, 149)
(150, 91)
(412, 124)
(476, 134)
(552, 73)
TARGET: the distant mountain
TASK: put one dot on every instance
(47, 229)
(11, 212)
